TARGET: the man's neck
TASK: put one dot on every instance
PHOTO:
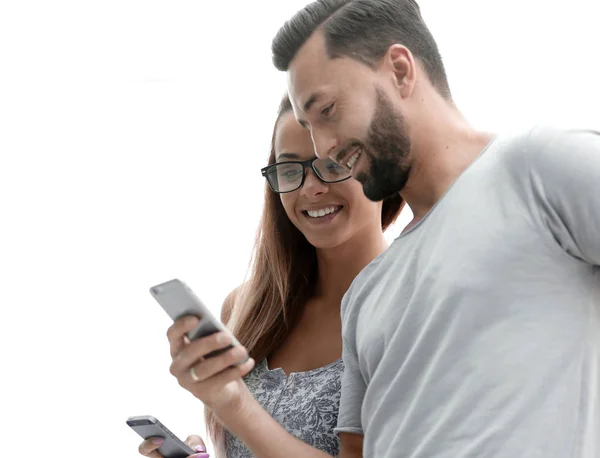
(443, 147)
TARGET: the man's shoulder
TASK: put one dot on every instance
(528, 149)
(364, 281)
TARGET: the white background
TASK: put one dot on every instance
(131, 138)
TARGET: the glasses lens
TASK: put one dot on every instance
(330, 171)
(285, 177)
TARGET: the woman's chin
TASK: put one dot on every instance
(325, 242)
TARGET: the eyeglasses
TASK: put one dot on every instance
(288, 176)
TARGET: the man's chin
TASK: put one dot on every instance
(373, 192)
(377, 190)
(376, 193)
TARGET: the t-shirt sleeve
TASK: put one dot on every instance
(353, 383)
(564, 169)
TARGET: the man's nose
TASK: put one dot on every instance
(324, 143)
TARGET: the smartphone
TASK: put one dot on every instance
(177, 299)
(147, 426)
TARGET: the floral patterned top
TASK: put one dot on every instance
(306, 404)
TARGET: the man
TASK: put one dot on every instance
(477, 334)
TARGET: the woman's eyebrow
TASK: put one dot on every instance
(287, 156)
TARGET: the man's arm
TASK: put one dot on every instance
(351, 445)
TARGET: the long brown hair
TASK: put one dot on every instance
(281, 280)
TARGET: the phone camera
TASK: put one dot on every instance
(156, 290)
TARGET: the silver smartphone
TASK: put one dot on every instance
(178, 299)
(147, 427)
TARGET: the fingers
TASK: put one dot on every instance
(195, 442)
(177, 333)
(149, 447)
(195, 351)
(244, 369)
(232, 373)
(212, 366)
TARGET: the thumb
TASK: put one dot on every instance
(194, 441)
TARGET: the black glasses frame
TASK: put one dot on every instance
(309, 164)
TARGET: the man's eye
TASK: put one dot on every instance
(327, 110)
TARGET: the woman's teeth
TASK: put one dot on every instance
(353, 160)
(322, 212)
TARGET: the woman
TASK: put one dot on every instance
(317, 232)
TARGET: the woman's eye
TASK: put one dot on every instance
(289, 174)
(333, 167)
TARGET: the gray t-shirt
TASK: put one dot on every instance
(477, 333)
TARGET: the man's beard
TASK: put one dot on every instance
(387, 147)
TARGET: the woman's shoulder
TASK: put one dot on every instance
(228, 304)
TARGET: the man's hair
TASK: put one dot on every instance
(362, 30)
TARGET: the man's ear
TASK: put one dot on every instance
(400, 61)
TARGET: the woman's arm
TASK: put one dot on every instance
(221, 388)
(268, 439)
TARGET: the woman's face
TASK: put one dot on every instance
(348, 210)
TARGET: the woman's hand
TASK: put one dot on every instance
(150, 447)
(216, 381)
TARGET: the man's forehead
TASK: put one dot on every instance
(312, 52)
(307, 71)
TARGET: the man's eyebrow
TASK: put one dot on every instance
(315, 96)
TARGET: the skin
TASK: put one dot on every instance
(345, 245)
(411, 139)
(150, 446)
(431, 145)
